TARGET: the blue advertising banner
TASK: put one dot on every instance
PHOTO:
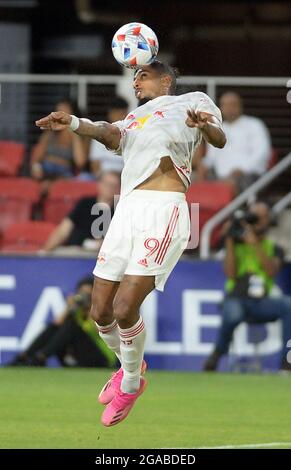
(182, 323)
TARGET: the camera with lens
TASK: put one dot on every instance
(237, 227)
(82, 300)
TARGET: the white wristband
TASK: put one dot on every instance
(75, 122)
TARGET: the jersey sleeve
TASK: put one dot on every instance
(201, 102)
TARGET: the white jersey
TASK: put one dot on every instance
(157, 129)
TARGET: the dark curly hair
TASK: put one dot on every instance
(164, 69)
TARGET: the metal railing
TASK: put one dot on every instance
(82, 82)
(212, 83)
(35, 94)
(245, 196)
(282, 204)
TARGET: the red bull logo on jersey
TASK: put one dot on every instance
(140, 122)
(159, 114)
(130, 116)
(101, 259)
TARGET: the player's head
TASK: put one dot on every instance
(156, 79)
(231, 106)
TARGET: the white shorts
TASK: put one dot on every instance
(146, 237)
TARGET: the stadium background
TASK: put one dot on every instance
(53, 49)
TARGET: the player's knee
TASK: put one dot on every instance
(121, 310)
(103, 315)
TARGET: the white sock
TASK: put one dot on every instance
(132, 341)
(110, 335)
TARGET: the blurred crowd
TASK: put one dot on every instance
(247, 153)
(65, 156)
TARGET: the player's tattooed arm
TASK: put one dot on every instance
(209, 125)
(107, 134)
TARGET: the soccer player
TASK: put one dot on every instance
(150, 227)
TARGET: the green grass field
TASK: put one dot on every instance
(57, 408)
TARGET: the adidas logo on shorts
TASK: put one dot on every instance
(143, 262)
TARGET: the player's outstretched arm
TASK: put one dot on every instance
(107, 134)
(209, 125)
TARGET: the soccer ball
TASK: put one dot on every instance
(135, 44)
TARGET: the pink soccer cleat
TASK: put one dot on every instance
(110, 388)
(118, 409)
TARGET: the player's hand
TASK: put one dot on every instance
(197, 119)
(56, 121)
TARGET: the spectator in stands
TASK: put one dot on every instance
(76, 228)
(251, 263)
(100, 158)
(247, 152)
(72, 337)
(58, 154)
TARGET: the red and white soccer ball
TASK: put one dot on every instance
(134, 45)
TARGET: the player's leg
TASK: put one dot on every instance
(157, 243)
(102, 312)
(129, 297)
(109, 270)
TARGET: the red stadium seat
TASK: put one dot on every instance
(274, 158)
(11, 157)
(17, 197)
(63, 195)
(26, 237)
(211, 196)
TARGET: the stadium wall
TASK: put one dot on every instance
(181, 323)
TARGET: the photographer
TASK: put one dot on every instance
(251, 263)
(72, 337)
